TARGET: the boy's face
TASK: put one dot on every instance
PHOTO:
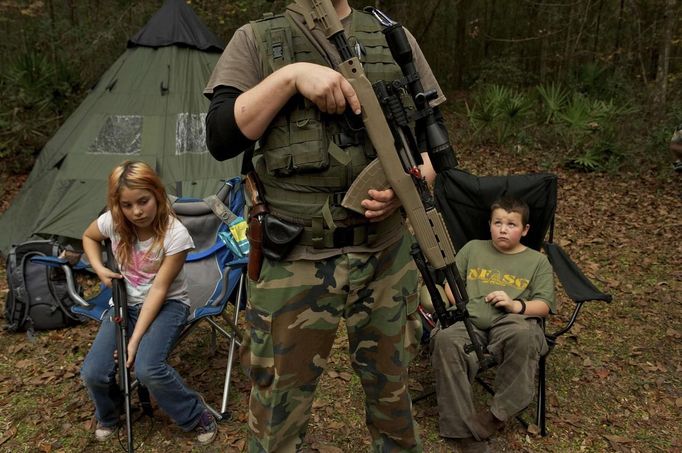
(506, 230)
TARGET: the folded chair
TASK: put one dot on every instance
(464, 201)
(215, 271)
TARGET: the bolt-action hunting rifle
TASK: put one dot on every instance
(120, 299)
(387, 123)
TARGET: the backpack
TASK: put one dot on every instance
(38, 297)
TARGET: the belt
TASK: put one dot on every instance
(365, 233)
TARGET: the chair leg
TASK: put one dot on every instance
(541, 419)
(230, 357)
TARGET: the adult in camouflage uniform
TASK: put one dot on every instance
(275, 83)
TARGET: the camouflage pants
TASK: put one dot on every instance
(516, 342)
(294, 312)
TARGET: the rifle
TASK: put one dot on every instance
(387, 124)
(120, 298)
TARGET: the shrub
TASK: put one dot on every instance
(499, 113)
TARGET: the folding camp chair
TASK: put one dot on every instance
(464, 201)
(215, 272)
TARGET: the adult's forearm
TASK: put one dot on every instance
(256, 108)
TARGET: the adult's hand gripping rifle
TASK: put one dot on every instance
(387, 124)
(120, 299)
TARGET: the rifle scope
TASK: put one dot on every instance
(438, 145)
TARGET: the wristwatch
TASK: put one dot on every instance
(523, 306)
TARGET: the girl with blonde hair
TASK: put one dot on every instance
(150, 245)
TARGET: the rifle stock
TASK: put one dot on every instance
(395, 150)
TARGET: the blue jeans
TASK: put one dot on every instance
(164, 383)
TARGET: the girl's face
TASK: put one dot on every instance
(139, 207)
(506, 230)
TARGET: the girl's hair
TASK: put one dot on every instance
(511, 204)
(136, 175)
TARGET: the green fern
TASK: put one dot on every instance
(499, 111)
(554, 97)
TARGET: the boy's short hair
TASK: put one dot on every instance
(512, 204)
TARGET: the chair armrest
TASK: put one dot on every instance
(50, 261)
(577, 286)
(53, 261)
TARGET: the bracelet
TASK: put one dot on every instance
(523, 306)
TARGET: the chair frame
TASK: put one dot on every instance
(207, 312)
(480, 192)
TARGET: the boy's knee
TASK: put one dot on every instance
(446, 347)
(525, 335)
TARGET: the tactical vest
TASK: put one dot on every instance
(307, 159)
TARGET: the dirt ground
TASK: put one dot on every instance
(613, 381)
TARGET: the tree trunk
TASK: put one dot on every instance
(460, 42)
(489, 29)
(664, 52)
(616, 47)
(596, 33)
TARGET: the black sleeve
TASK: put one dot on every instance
(224, 139)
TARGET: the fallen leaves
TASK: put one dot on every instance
(620, 376)
(8, 434)
(343, 375)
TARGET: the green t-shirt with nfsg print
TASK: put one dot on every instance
(524, 275)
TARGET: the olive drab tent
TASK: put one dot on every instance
(148, 106)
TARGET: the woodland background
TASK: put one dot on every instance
(587, 89)
(596, 81)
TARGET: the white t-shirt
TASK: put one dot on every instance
(140, 275)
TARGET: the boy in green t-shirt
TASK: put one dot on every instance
(510, 289)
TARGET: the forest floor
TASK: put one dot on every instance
(613, 382)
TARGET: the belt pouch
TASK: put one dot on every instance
(279, 237)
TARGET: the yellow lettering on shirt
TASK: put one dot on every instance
(495, 277)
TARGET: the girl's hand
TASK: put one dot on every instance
(132, 351)
(380, 204)
(501, 300)
(106, 275)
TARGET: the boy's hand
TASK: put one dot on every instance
(380, 204)
(501, 300)
(106, 275)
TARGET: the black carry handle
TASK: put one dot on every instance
(120, 318)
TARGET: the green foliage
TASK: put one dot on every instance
(26, 107)
(590, 130)
(555, 98)
(503, 70)
(591, 78)
(589, 134)
(499, 113)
